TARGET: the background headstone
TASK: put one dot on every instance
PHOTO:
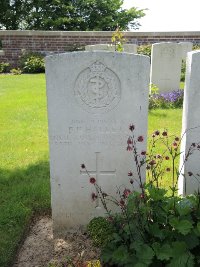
(186, 47)
(129, 48)
(187, 183)
(166, 59)
(2, 52)
(93, 97)
(100, 47)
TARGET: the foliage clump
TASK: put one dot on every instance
(32, 62)
(100, 231)
(154, 226)
(68, 15)
(144, 50)
(4, 67)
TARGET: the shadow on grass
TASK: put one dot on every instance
(23, 193)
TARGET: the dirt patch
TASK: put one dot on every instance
(40, 249)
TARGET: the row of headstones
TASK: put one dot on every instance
(92, 99)
(166, 61)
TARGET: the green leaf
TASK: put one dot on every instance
(198, 226)
(182, 226)
(184, 206)
(139, 264)
(120, 255)
(145, 254)
(185, 260)
(162, 252)
(156, 231)
(156, 193)
(191, 240)
(178, 248)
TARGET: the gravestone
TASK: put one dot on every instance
(166, 60)
(2, 53)
(129, 48)
(187, 183)
(93, 97)
(186, 47)
(100, 47)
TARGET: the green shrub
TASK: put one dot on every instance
(196, 47)
(16, 71)
(144, 50)
(4, 67)
(100, 231)
(32, 62)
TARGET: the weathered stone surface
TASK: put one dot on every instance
(92, 99)
(191, 127)
(130, 48)
(166, 62)
(100, 47)
(186, 47)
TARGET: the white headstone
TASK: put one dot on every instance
(166, 60)
(187, 183)
(2, 52)
(186, 47)
(100, 47)
(93, 97)
(129, 48)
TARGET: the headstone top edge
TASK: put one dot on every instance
(106, 53)
(166, 43)
(191, 53)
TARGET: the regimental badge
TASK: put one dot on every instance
(97, 88)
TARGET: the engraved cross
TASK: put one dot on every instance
(97, 173)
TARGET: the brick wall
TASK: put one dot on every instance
(13, 42)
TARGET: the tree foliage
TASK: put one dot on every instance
(67, 15)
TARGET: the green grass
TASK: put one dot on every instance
(24, 167)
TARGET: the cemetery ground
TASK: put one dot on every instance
(24, 164)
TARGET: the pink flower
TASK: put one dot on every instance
(164, 133)
(129, 148)
(92, 180)
(140, 138)
(126, 192)
(122, 203)
(174, 144)
(129, 141)
(142, 196)
(131, 127)
(152, 162)
(94, 196)
(157, 132)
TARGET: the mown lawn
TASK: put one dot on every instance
(24, 167)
